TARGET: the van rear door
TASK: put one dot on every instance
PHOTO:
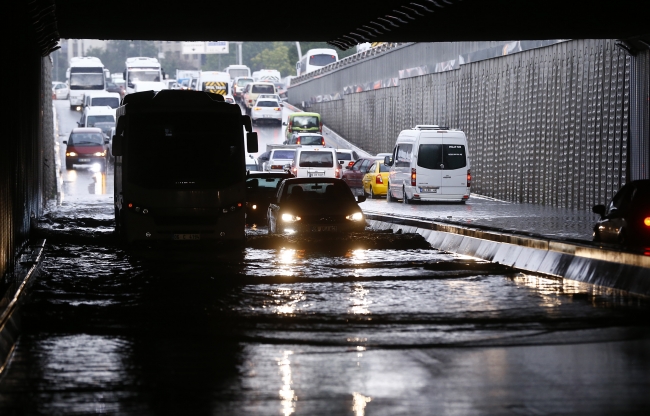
(454, 156)
(429, 164)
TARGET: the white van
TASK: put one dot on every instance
(214, 82)
(315, 161)
(429, 163)
(102, 98)
(92, 115)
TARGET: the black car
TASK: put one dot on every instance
(626, 220)
(261, 188)
(315, 205)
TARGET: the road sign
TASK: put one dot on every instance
(216, 47)
(193, 47)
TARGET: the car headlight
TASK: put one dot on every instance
(290, 218)
(100, 154)
(357, 216)
(71, 154)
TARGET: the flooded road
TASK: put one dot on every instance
(373, 323)
(365, 324)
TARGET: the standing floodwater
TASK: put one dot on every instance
(370, 322)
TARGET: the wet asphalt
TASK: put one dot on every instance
(366, 324)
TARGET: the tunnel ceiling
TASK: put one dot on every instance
(347, 23)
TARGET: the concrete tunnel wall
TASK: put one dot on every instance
(548, 125)
(27, 175)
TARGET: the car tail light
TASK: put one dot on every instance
(321, 127)
(298, 140)
(413, 176)
(277, 108)
(351, 163)
(379, 179)
(322, 141)
(290, 129)
(646, 221)
(469, 178)
(337, 173)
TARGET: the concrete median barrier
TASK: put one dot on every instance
(584, 263)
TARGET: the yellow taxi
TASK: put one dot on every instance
(375, 181)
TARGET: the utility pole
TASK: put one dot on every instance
(299, 51)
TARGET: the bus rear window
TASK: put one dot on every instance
(172, 150)
(321, 60)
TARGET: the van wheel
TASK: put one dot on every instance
(405, 198)
(389, 195)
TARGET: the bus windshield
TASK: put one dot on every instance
(185, 150)
(240, 72)
(86, 81)
(144, 76)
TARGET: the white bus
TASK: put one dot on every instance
(315, 59)
(143, 74)
(85, 74)
(180, 168)
(238, 71)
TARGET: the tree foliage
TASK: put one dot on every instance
(116, 52)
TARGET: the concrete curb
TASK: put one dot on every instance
(15, 294)
(583, 263)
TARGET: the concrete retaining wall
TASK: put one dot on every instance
(582, 263)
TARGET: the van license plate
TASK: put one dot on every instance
(187, 236)
(432, 190)
(84, 160)
(316, 174)
(320, 228)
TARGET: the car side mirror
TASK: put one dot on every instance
(361, 198)
(78, 124)
(251, 142)
(117, 147)
(347, 167)
(284, 123)
(106, 141)
(599, 209)
(388, 161)
(65, 142)
(287, 167)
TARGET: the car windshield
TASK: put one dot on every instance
(317, 193)
(305, 122)
(343, 156)
(91, 120)
(283, 154)
(316, 159)
(144, 76)
(242, 82)
(86, 139)
(106, 127)
(216, 159)
(263, 89)
(267, 104)
(112, 102)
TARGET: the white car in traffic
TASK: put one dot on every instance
(60, 91)
(267, 110)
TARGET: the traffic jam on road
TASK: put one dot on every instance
(209, 254)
